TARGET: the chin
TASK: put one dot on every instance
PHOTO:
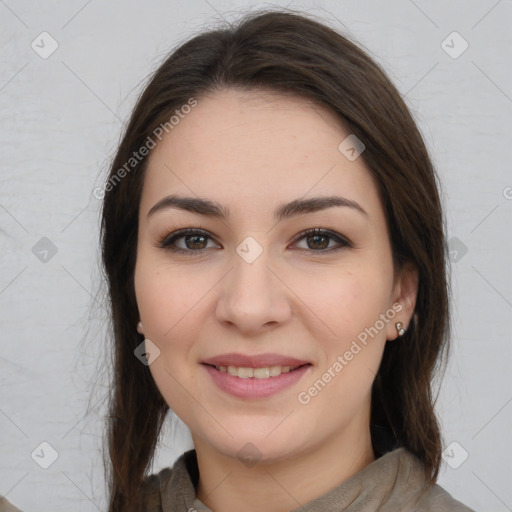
(262, 442)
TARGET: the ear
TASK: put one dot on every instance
(140, 328)
(404, 299)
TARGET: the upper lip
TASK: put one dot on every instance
(254, 361)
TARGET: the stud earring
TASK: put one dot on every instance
(399, 329)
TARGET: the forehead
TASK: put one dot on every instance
(248, 146)
(260, 124)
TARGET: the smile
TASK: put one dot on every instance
(255, 382)
(265, 372)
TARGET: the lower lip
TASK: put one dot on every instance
(252, 387)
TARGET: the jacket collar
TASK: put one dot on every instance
(388, 483)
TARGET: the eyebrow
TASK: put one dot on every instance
(284, 211)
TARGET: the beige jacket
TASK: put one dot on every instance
(6, 506)
(394, 482)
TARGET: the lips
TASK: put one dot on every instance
(256, 376)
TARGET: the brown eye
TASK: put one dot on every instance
(194, 241)
(185, 241)
(318, 240)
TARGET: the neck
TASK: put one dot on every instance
(226, 484)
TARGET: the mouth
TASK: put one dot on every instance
(255, 376)
(265, 372)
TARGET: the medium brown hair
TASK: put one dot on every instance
(292, 54)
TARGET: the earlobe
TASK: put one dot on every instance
(406, 291)
(140, 329)
(399, 329)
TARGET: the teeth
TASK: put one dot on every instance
(245, 373)
(275, 371)
(257, 373)
(262, 373)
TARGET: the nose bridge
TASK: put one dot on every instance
(251, 295)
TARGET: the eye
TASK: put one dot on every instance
(320, 240)
(194, 241)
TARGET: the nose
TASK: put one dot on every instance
(252, 297)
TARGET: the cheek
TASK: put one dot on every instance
(166, 300)
(347, 300)
(350, 304)
(165, 297)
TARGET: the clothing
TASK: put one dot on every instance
(6, 506)
(394, 482)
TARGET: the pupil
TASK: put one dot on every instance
(316, 237)
(195, 238)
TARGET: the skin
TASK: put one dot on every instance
(252, 151)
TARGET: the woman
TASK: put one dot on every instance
(273, 242)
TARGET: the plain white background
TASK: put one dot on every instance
(61, 120)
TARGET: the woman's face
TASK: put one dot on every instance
(250, 293)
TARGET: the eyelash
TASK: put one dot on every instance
(167, 242)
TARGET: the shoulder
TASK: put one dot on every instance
(166, 489)
(412, 489)
(427, 497)
(6, 506)
(151, 490)
(439, 500)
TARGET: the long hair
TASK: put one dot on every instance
(293, 54)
